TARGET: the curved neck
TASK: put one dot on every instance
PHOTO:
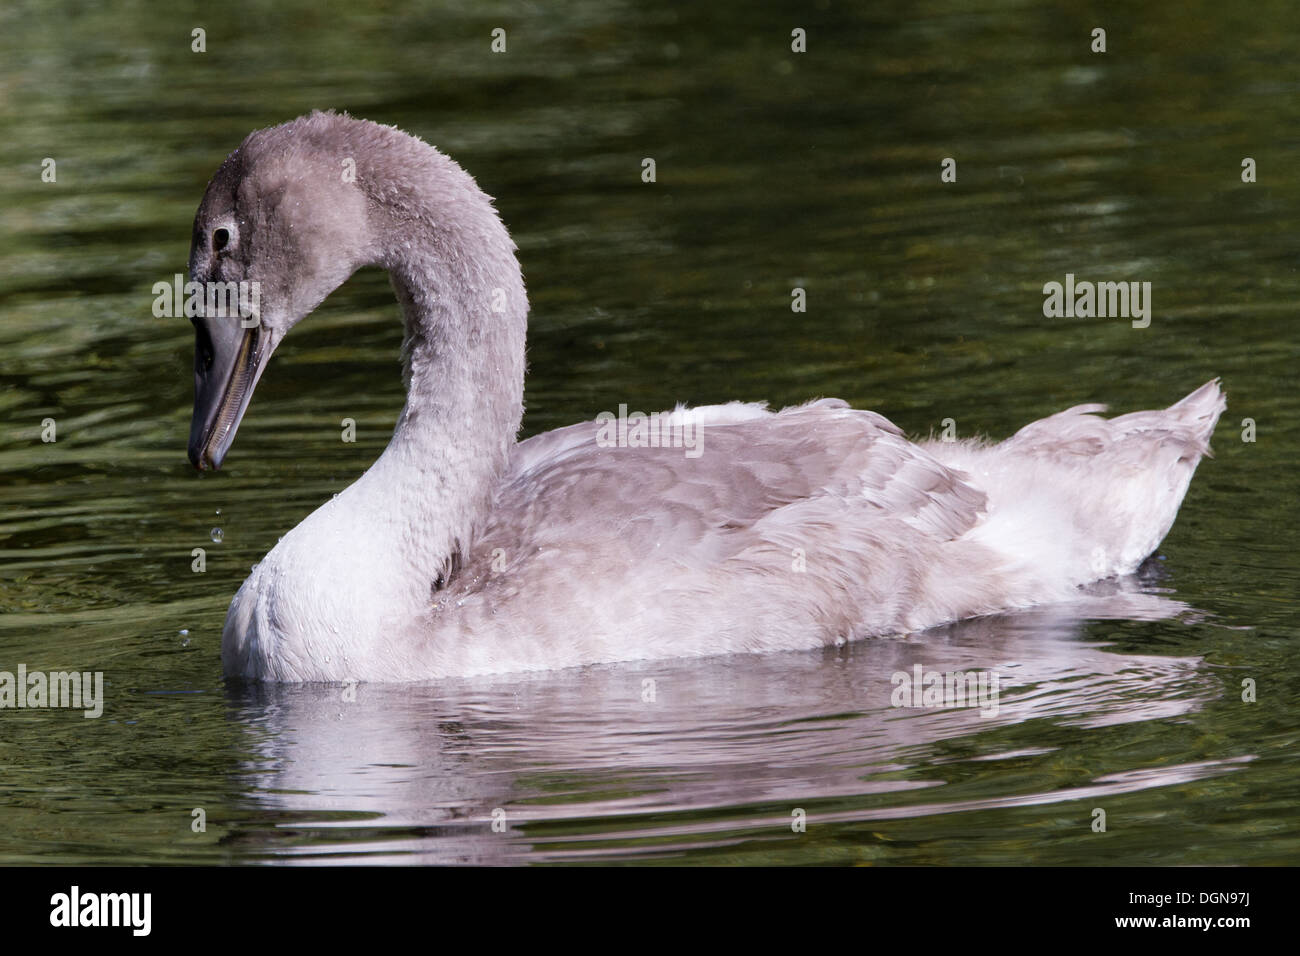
(465, 310)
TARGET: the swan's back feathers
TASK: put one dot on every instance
(751, 463)
(790, 529)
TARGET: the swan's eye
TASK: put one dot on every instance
(220, 239)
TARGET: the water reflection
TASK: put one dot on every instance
(584, 763)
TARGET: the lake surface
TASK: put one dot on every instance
(775, 170)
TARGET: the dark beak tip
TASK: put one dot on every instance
(202, 460)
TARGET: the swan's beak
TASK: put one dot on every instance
(228, 361)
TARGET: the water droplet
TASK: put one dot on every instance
(217, 535)
(185, 642)
(218, 511)
(184, 631)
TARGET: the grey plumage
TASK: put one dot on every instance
(462, 552)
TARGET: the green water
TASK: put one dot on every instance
(775, 170)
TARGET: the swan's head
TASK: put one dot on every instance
(286, 221)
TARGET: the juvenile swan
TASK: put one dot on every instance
(462, 551)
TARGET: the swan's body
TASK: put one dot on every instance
(463, 552)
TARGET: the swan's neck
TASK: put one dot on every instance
(465, 310)
(337, 592)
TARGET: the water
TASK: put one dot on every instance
(775, 171)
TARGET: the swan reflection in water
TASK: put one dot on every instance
(565, 765)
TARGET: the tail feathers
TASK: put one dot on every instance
(1189, 422)
(1075, 497)
(1200, 412)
